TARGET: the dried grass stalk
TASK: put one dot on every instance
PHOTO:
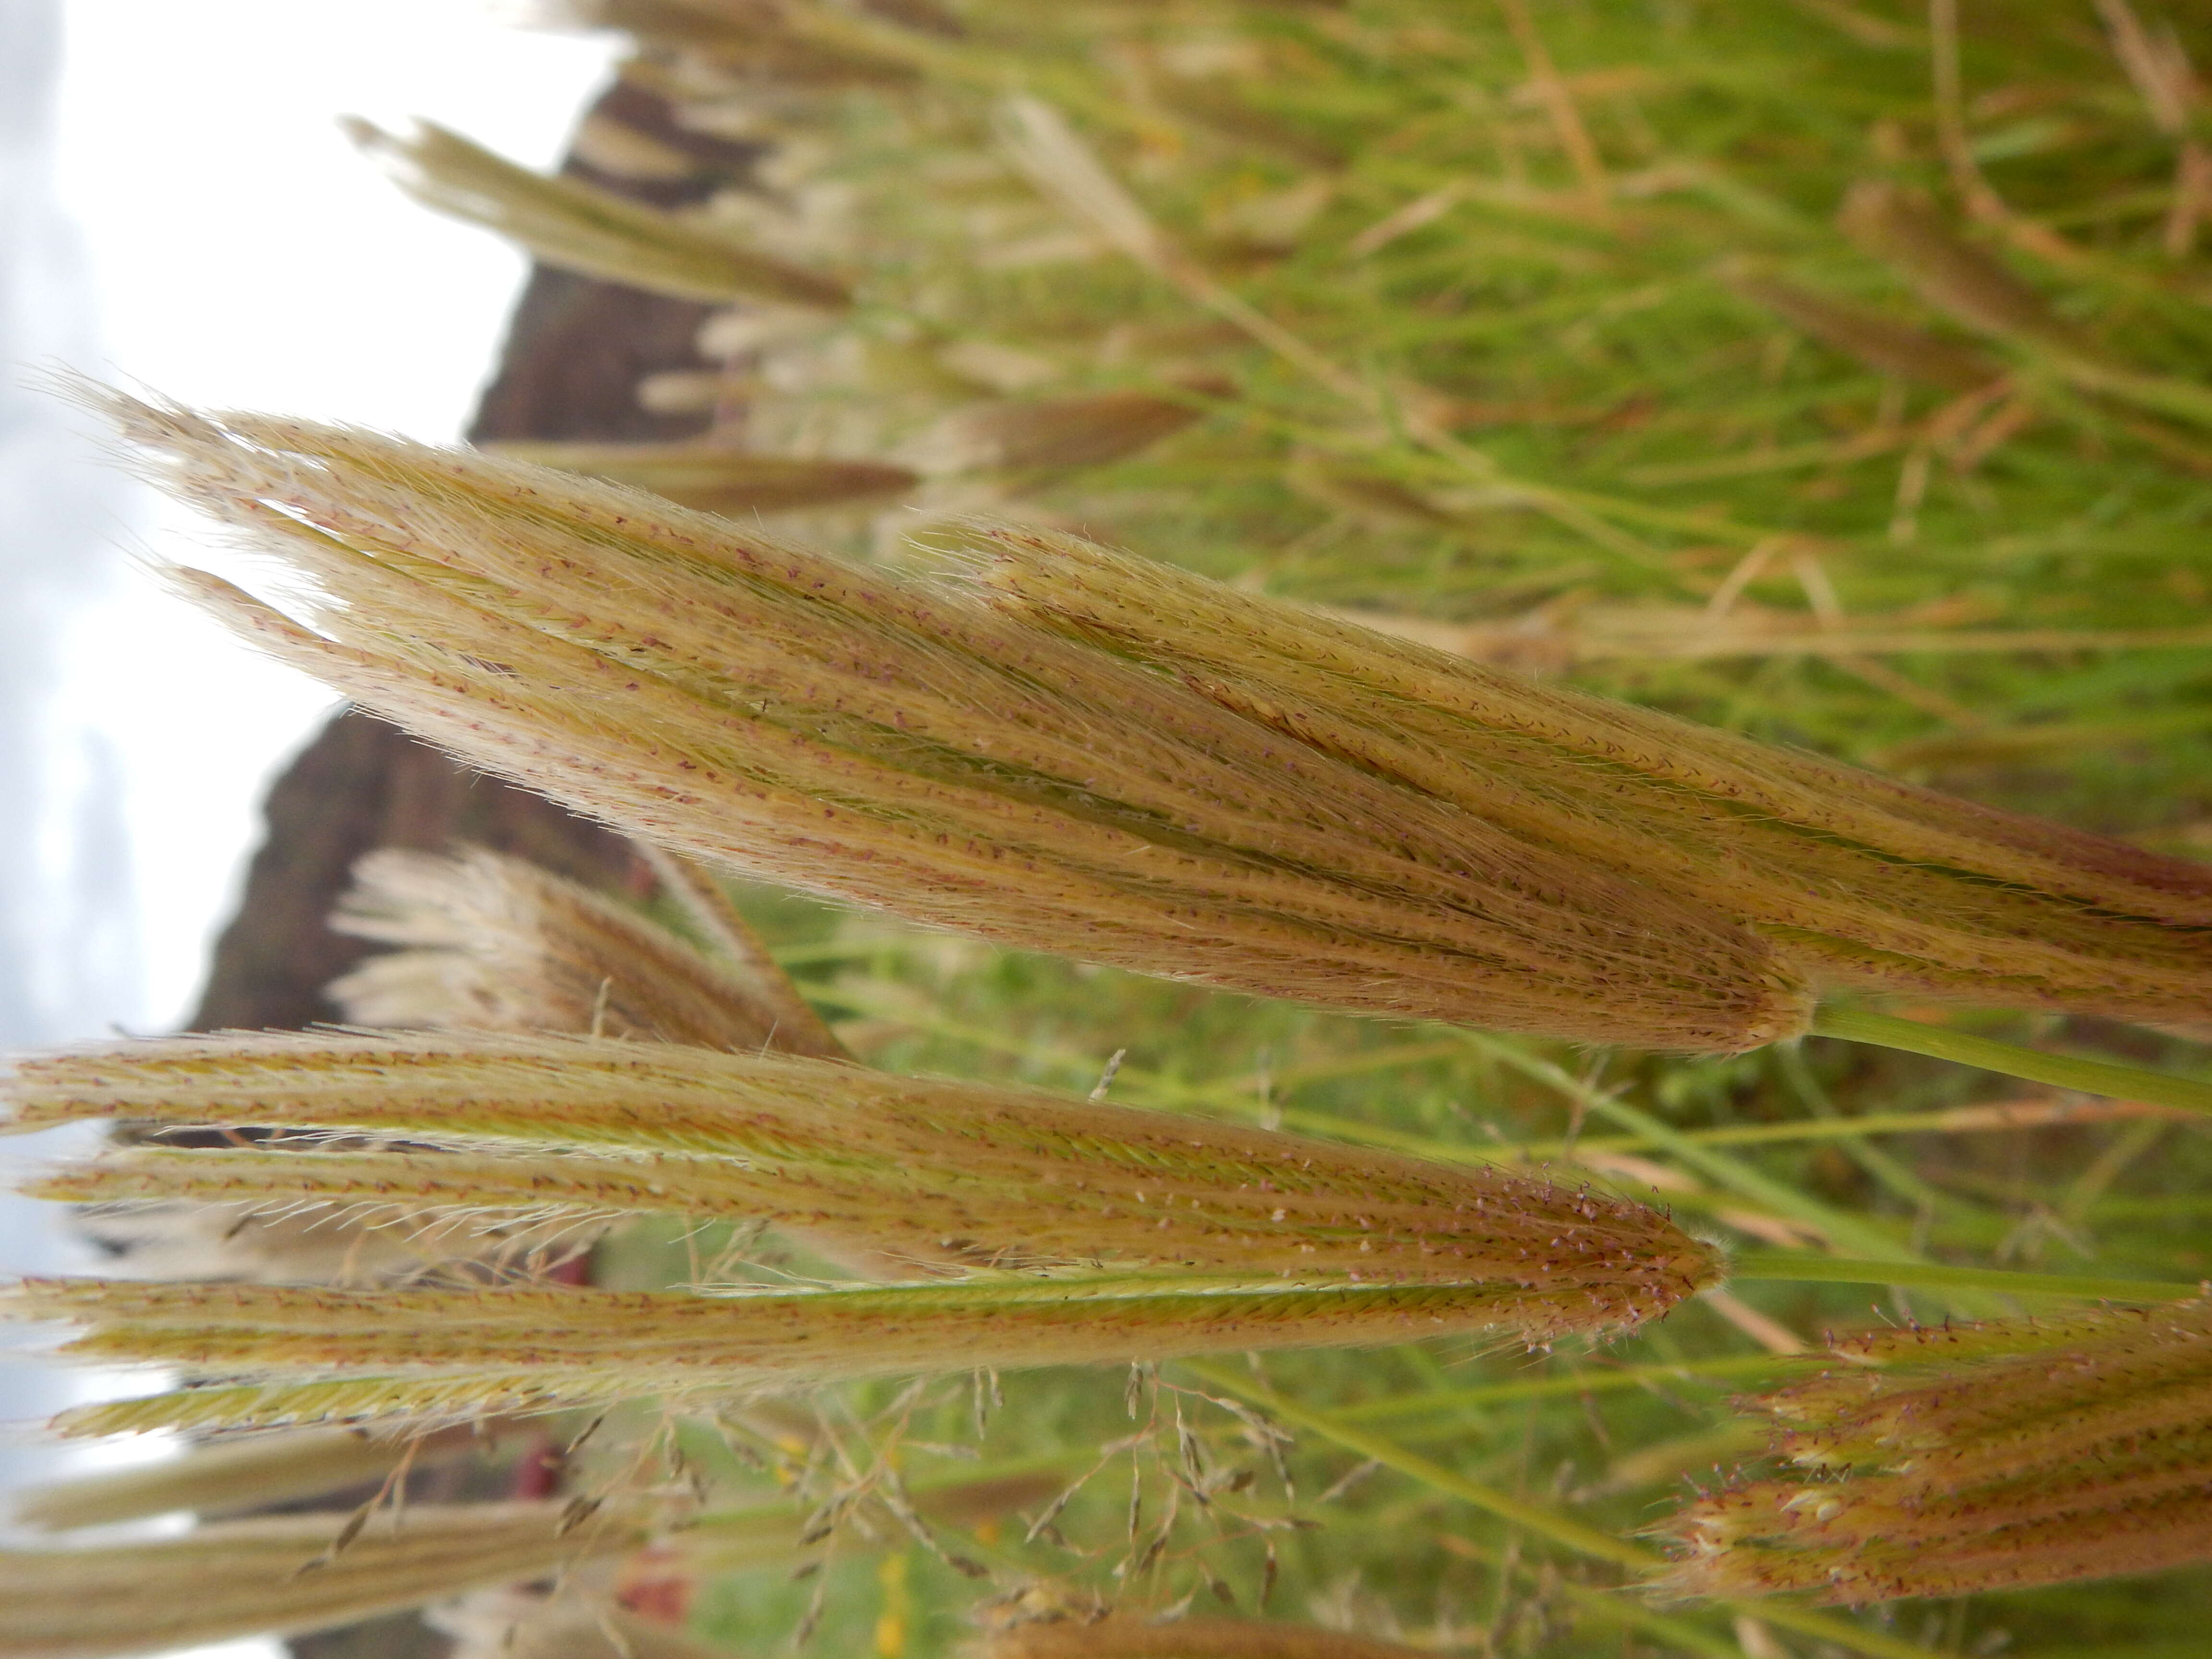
(581, 228)
(1881, 343)
(213, 1478)
(1975, 288)
(780, 714)
(798, 1028)
(1087, 430)
(1943, 1462)
(578, 1129)
(1858, 880)
(283, 1574)
(496, 943)
(715, 479)
(311, 1355)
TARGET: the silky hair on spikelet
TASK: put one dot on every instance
(303, 1355)
(497, 943)
(1947, 1462)
(1858, 880)
(1004, 1177)
(1088, 1233)
(837, 729)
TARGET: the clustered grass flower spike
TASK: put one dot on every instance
(1858, 880)
(1941, 1461)
(842, 731)
(497, 943)
(1154, 1235)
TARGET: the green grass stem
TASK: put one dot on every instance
(1754, 1267)
(2094, 1077)
(1540, 1519)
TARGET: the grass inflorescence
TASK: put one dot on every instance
(1624, 508)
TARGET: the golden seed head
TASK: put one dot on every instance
(1947, 1462)
(842, 731)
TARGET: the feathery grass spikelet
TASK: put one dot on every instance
(281, 1574)
(282, 1244)
(998, 1175)
(581, 228)
(1858, 879)
(308, 1355)
(780, 713)
(496, 943)
(1945, 1461)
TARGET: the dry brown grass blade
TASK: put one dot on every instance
(581, 228)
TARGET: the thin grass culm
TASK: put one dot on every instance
(780, 714)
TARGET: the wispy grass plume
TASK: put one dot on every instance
(780, 713)
(1944, 1461)
(1857, 879)
(497, 943)
(995, 1177)
(221, 1476)
(580, 226)
(307, 1355)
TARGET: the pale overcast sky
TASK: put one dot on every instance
(177, 209)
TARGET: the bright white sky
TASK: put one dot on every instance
(245, 257)
(241, 255)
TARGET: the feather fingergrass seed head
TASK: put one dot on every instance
(837, 729)
(300, 1355)
(1946, 1461)
(496, 943)
(997, 1176)
(228, 1475)
(1858, 880)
